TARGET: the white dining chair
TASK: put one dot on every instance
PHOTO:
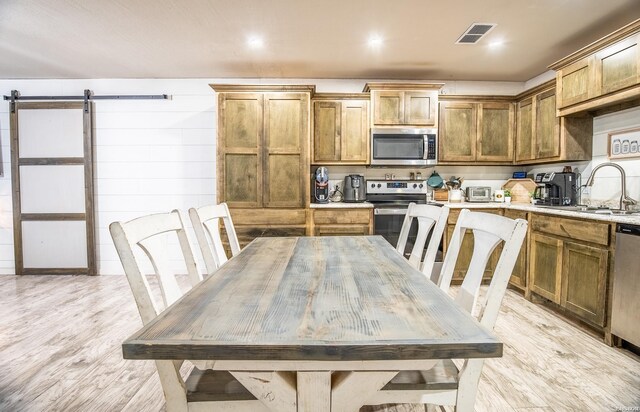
(205, 221)
(445, 384)
(148, 236)
(431, 220)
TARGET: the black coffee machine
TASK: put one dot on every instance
(556, 189)
(321, 185)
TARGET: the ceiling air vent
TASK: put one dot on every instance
(475, 32)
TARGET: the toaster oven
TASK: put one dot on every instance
(478, 194)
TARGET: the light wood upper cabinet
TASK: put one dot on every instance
(604, 73)
(525, 140)
(458, 132)
(263, 146)
(399, 108)
(547, 126)
(495, 132)
(404, 104)
(544, 138)
(340, 130)
(476, 131)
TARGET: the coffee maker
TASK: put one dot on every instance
(321, 185)
(556, 189)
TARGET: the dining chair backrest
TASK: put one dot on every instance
(489, 231)
(145, 234)
(445, 383)
(431, 220)
(206, 225)
(202, 390)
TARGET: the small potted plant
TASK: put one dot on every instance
(507, 196)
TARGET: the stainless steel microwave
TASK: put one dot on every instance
(404, 146)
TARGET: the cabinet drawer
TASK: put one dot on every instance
(342, 216)
(454, 213)
(594, 232)
(349, 230)
(268, 216)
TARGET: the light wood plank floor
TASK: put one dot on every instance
(60, 350)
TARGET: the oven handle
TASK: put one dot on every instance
(387, 211)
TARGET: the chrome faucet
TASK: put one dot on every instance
(625, 201)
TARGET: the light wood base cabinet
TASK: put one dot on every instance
(341, 222)
(466, 249)
(569, 264)
(519, 275)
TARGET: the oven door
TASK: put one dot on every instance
(387, 222)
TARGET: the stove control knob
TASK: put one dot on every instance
(373, 185)
(415, 185)
(379, 185)
(421, 185)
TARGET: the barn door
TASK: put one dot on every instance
(52, 177)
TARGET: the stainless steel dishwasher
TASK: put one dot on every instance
(625, 310)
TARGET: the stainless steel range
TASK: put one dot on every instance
(391, 200)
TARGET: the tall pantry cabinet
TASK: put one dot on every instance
(263, 157)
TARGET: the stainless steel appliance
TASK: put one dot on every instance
(391, 200)
(556, 189)
(354, 189)
(404, 147)
(321, 185)
(478, 194)
(625, 306)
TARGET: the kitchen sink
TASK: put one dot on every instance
(592, 210)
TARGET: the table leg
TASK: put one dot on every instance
(276, 390)
(314, 391)
(351, 390)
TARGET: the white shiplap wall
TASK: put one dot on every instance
(155, 155)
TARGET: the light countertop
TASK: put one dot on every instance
(341, 205)
(631, 219)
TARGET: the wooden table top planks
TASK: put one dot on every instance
(348, 298)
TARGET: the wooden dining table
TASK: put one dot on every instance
(314, 323)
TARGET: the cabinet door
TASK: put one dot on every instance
(575, 83)
(341, 230)
(545, 266)
(354, 146)
(326, 131)
(457, 140)
(388, 107)
(495, 132)
(584, 274)
(420, 108)
(547, 126)
(240, 146)
(519, 274)
(286, 134)
(524, 134)
(618, 66)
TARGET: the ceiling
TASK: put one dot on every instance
(302, 38)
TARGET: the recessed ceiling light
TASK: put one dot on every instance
(255, 42)
(375, 41)
(496, 44)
